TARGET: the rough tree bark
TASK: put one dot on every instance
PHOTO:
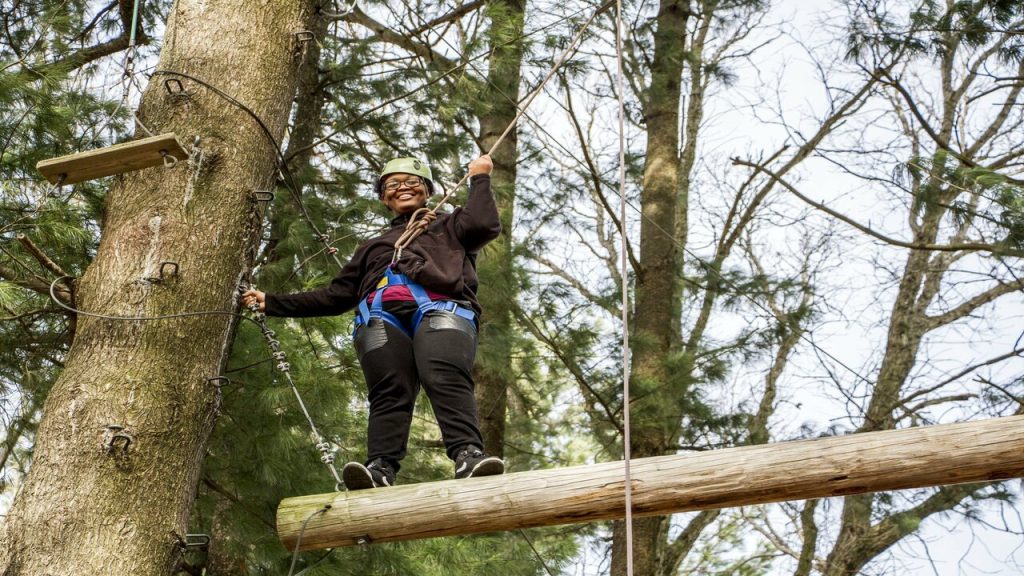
(93, 503)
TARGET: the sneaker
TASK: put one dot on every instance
(471, 461)
(376, 474)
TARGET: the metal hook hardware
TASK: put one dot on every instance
(169, 161)
(164, 274)
(196, 541)
(113, 435)
(218, 381)
(169, 83)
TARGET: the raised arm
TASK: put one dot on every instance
(477, 222)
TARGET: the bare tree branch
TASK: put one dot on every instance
(971, 246)
(973, 304)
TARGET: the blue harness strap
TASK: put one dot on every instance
(423, 304)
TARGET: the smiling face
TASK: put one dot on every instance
(404, 193)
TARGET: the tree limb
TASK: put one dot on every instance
(574, 369)
(974, 303)
(10, 275)
(971, 246)
(385, 34)
(43, 259)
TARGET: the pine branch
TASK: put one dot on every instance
(962, 373)
(809, 533)
(455, 14)
(385, 34)
(574, 369)
(10, 275)
(78, 59)
(890, 530)
(238, 501)
(43, 259)
(684, 543)
(592, 170)
(936, 138)
(95, 20)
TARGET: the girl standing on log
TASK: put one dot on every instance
(416, 320)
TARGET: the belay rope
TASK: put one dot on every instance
(423, 217)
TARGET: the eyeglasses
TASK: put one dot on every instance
(411, 182)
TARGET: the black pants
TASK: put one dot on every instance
(440, 357)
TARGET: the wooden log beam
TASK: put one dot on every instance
(836, 466)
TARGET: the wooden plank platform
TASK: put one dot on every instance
(116, 159)
(836, 466)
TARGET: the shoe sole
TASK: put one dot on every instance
(488, 467)
(356, 477)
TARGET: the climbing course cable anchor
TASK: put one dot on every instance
(262, 196)
(166, 265)
(218, 382)
(169, 161)
(113, 435)
(175, 88)
(200, 541)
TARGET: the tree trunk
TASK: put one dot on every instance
(499, 289)
(655, 326)
(99, 500)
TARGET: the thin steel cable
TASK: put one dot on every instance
(57, 301)
(282, 164)
(626, 442)
(326, 453)
(298, 541)
(535, 552)
(327, 456)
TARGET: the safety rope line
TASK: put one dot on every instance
(627, 439)
(421, 219)
(298, 541)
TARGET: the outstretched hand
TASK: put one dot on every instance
(481, 165)
(250, 296)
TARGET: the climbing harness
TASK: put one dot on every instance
(365, 314)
